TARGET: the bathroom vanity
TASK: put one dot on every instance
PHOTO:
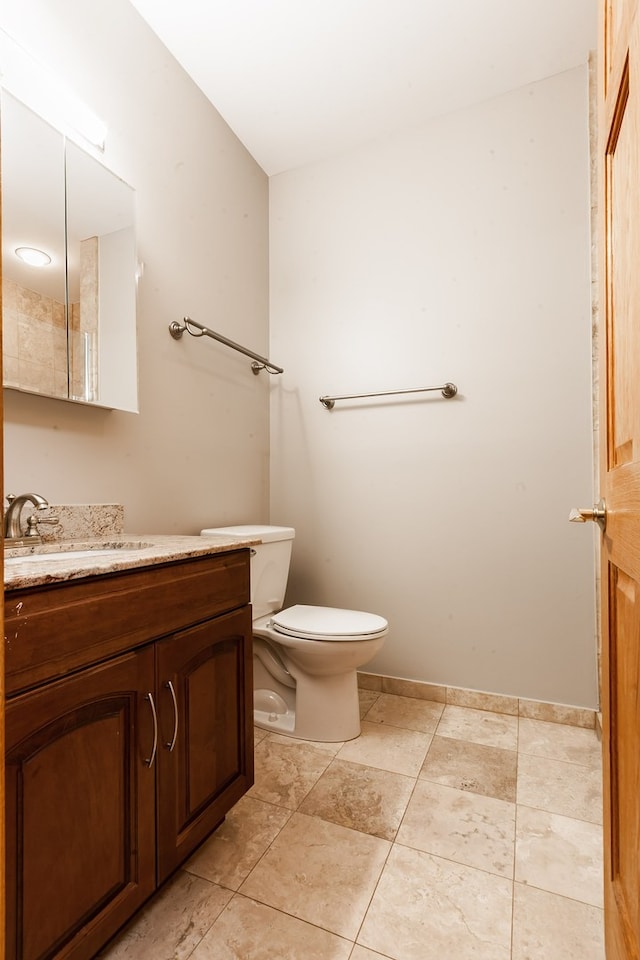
(128, 731)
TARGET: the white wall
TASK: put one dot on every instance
(198, 452)
(458, 251)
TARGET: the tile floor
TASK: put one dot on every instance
(441, 832)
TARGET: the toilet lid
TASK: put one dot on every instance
(328, 623)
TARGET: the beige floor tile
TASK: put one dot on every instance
(388, 748)
(406, 712)
(322, 745)
(549, 927)
(361, 953)
(479, 726)
(310, 842)
(367, 699)
(247, 930)
(258, 735)
(320, 872)
(569, 789)
(231, 853)
(465, 827)
(286, 771)
(426, 908)
(490, 771)
(173, 923)
(557, 741)
(362, 798)
(559, 854)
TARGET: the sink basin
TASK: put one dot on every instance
(67, 556)
(52, 552)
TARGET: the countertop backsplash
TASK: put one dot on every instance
(83, 520)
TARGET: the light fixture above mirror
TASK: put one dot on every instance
(37, 86)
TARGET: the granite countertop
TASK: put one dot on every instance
(29, 566)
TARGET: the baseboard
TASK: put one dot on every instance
(493, 702)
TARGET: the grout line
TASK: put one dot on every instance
(377, 883)
(515, 843)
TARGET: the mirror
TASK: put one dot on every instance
(69, 326)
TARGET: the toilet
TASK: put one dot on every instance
(305, 658)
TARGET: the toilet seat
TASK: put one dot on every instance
(328, 623)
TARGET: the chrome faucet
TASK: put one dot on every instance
(12, 518)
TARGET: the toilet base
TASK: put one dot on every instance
(271, 710)
(286, 725)
(282, 723)
(328, 710)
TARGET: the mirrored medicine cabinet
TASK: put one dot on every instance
(69, 320)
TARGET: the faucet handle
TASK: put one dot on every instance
(33, 521)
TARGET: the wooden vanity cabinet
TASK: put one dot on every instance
(80, 804)
(201, 691)
(119, 764)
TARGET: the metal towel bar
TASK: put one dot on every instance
(447, 389)
(259, 363)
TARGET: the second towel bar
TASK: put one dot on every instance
(447, 390)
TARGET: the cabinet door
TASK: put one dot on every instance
(205, 762)
(80, 803)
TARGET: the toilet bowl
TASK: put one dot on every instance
(305, 658)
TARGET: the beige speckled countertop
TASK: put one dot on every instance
(52, 562)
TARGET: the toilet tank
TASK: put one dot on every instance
(269, 562)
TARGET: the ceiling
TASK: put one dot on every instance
(302, 80)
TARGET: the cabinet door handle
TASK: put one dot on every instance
(172, 744)
(149, 762)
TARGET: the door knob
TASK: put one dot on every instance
(598, 513)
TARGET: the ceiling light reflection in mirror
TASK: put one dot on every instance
(32, 256)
